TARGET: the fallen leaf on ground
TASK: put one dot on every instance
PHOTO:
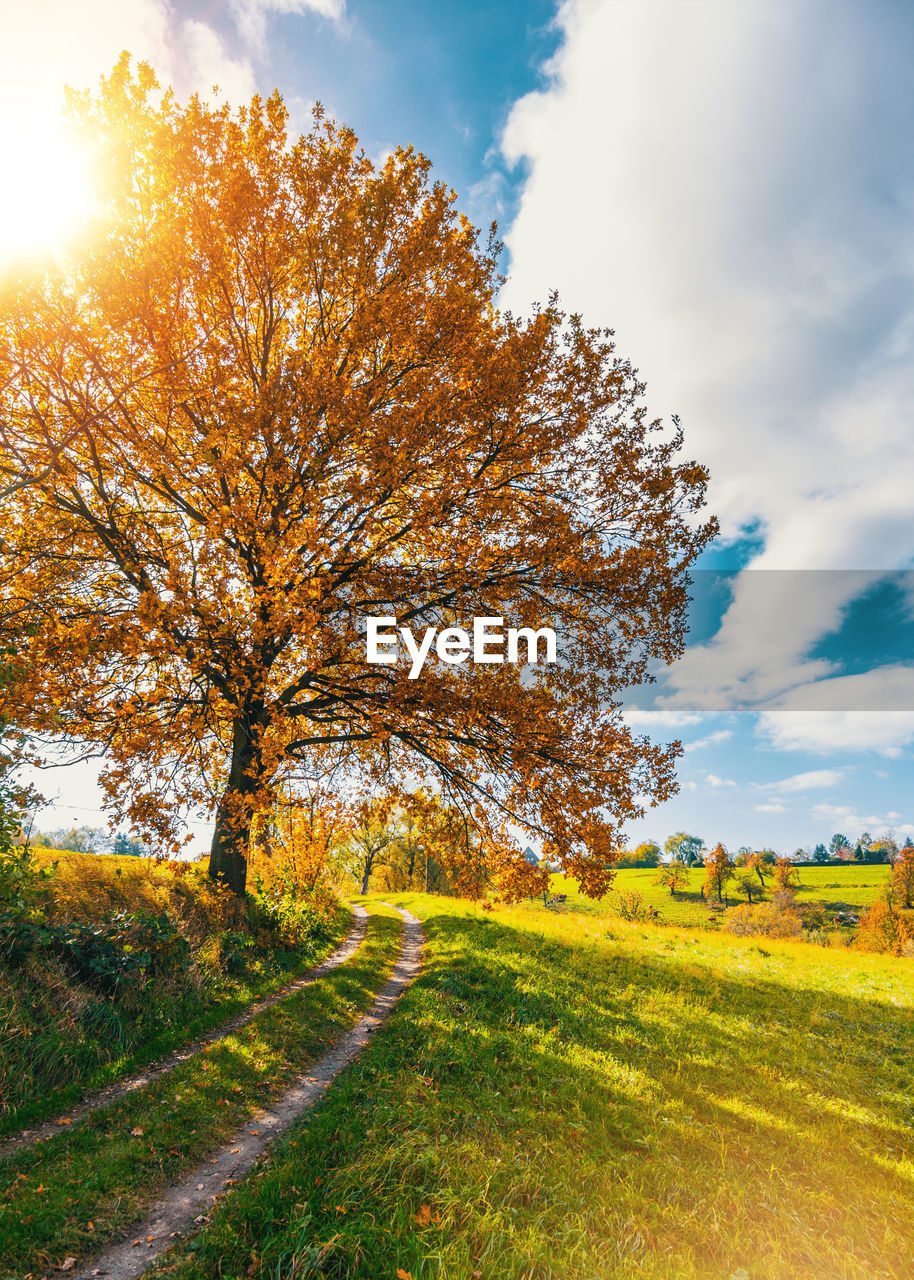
(424, 1216)
(137, 1132)
(68, 1264)
(403, 1275)
(65, 1120)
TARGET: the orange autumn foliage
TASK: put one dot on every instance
(719, 870)
(272, 395)
(903, 878)
(786, 875)
(293, 844)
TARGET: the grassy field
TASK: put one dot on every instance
(65, 1196)
(847, 888)
(559, 1097)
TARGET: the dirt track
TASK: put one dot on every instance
(112, 1093)
(187, 1203)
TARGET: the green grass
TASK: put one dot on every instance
(67, 1195)
(61, 1035)
(552, 1101)
(103, 1065)
(847, 888)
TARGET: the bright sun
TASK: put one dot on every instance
(45, 197)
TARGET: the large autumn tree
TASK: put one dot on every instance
(272, 394)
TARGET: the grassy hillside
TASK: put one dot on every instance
(115, 960)
(559, 1099)
(847, 888)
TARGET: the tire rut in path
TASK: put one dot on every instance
(101, 1098)
(187, 1202)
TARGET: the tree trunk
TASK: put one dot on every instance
(366, 873)
(228, 862)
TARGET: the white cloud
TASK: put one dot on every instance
(772, 806)
(713, 780)
(806, 781)
(751, 259)
(850, 821)
(741, 219)
(47, 45)
(663, 718)
(720, 735)
(251, 15)
(825, 732)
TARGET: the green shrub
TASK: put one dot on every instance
(631, 906)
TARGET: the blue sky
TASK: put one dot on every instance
(728, 185)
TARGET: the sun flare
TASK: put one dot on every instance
(45, 198)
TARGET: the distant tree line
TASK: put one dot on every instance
(691, 851)
(86, 839)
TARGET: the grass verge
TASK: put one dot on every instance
(106, 963)
(551, 1103)
(71, 1193)
(185, 1025)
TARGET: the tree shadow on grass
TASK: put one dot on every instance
(570, 1113)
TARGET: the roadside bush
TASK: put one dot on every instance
(127, 957)
(883, 929)
(24, 884)
(765, 920)
(294, 919)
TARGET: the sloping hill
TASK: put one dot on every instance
(550, 1100)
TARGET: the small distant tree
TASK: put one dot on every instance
(859, 854)
(292, 846)
(882, 850)
(83, 839)
(684, 848)
(746, 884)
(372, 842)
(786, 875)
(125, 847)
(903, 878)
(672, 875)
(837, 842)
(820, 853)
(719, 869)
(649, 852)
(759, 862)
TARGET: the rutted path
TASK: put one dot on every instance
(106, 1097)
(187, 1202)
